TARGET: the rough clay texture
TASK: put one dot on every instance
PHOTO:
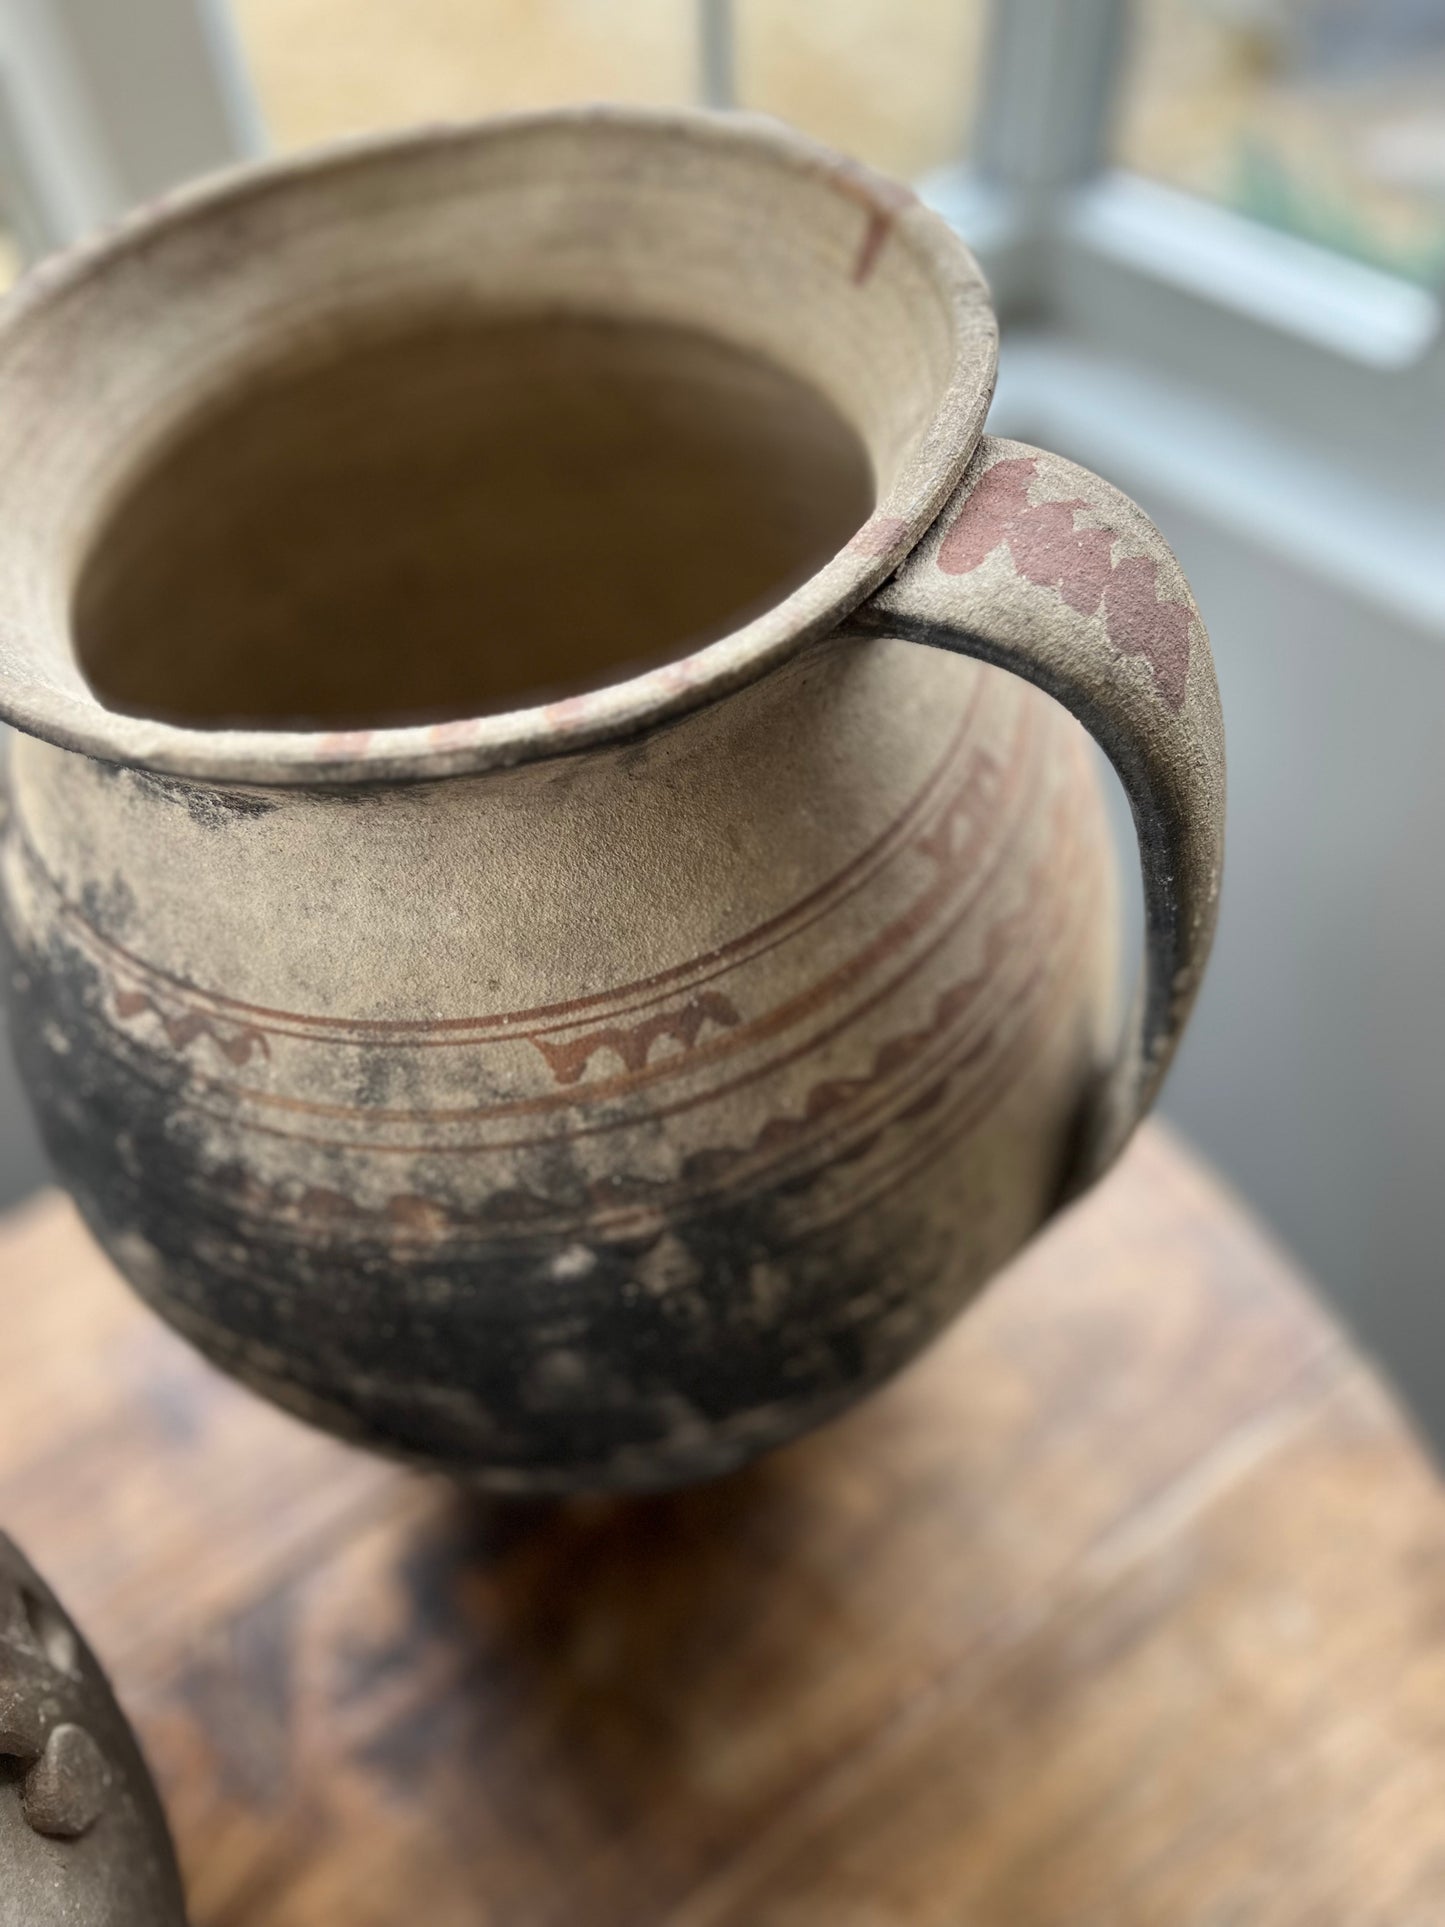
(599, 1122)
(731, 226)
(83, 1842)
(602, 1093)
(1038, 566)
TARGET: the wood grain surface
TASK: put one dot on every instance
(1124, 1608)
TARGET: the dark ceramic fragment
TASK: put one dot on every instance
(83, 1840)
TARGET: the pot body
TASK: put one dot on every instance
(599, 1122)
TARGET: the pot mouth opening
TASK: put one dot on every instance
(451, 450)
(428, 517)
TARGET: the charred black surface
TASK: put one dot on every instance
(538, 1360)
(209, 807)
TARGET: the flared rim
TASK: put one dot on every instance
(78, 720)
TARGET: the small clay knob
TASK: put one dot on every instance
(65, 1789)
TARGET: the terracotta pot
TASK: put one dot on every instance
(83, 1840)
(599, 1091)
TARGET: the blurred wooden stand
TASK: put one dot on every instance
(1124, 1608)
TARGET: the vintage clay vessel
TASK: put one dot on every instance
(592, 1089)
(83, 1840)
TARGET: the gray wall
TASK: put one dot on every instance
(22, 1162)
(1314, 1072)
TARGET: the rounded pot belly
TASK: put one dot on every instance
(597, 1124)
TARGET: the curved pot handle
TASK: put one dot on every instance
(1041, 568)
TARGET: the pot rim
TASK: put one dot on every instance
(76, 719)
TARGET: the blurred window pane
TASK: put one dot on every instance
(891, 81)
(1322, 117)
(323, 68)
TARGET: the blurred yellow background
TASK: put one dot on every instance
(890, 80)
(1326, 120)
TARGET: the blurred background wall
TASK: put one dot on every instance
(1216, 229)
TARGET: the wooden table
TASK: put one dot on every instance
(1126, 1605)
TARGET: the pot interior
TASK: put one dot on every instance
(437, 514)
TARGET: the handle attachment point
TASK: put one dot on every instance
(1040, 568)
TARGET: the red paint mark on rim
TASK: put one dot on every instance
(880, 225)
(677, 677)
(345, 742)
(569, 710)
(881, 200)
(454, 734)
(879, 535)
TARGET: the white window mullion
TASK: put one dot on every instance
(55, 180)
(717, 53)
(1050, 77)
(103, 105)
(1045, 97)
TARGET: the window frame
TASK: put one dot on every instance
(1213, 337)
(1207, 331)
(81, 137)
